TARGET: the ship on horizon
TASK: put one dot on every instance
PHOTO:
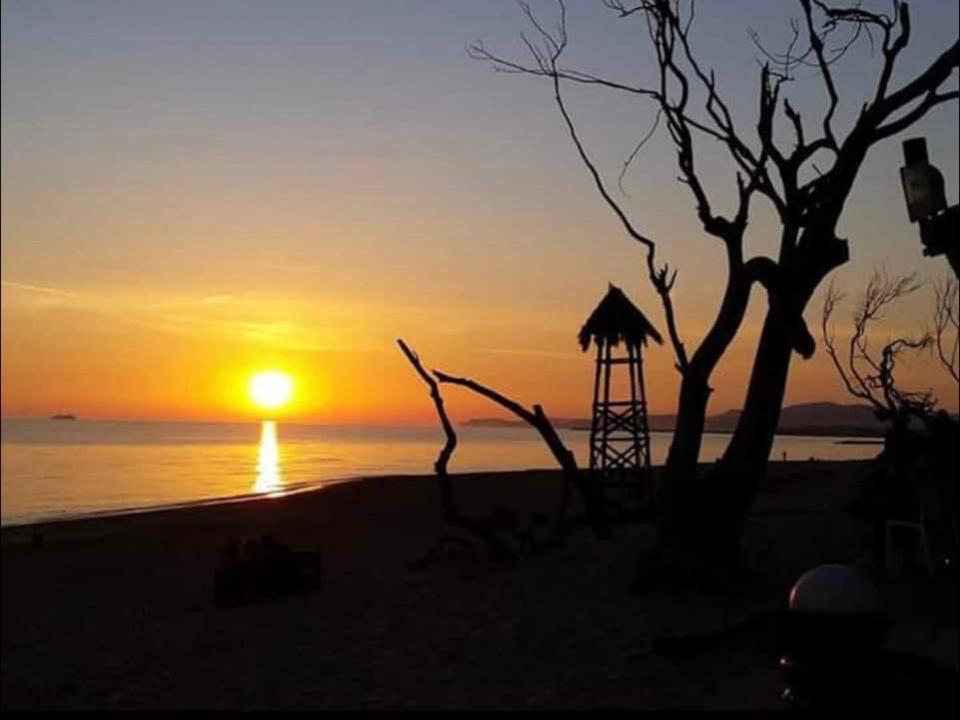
(63, 416)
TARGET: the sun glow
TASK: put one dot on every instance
(271, 390)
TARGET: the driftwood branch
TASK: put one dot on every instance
(451, 513)
(538, 419)
(443, 459)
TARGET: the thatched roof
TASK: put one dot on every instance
(617, 319)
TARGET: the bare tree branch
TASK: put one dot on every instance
(636, 151)
(658, 276)
(816, 43)
(863, 19)
(938, 72)
(853, 383)
(546, 62)
(446, 452)
(930, 100)
(876, 383)
(946, 319)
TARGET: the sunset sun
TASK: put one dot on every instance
(271, 389)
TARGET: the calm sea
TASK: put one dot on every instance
(57, 469)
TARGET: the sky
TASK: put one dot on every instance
(195, 190)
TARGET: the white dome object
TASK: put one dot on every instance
(834, 589)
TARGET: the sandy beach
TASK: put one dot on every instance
(118, 612)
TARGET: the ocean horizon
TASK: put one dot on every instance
(55, 470)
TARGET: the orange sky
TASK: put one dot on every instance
(189, 197)
(125, 356)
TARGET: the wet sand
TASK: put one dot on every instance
(118, 612)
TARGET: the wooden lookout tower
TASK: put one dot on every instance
(619, 432)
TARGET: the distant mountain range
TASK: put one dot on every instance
(821, 418)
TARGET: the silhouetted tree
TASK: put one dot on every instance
(869, 375)
(701, 519)
(946, 319)
(920, 445)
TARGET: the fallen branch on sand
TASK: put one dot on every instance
(538, 419)
(451, 513)
(515, 541)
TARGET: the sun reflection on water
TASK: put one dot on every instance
(269, 478)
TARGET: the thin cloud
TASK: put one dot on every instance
(40, 289)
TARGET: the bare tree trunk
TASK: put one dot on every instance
(734, 482)
(682, 508)
(744, 464)
(701, 519)
(678, 485)
(688, 432)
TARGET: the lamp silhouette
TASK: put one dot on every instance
(925, 193)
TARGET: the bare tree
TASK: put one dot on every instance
(701, 522)
(946, 320)
(867, 375)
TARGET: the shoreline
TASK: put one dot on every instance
(186, 505)
(306, 489)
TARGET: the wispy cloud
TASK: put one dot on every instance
(39, 289)
(39, 297)
(247, 317)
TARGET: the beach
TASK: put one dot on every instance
(118, 612)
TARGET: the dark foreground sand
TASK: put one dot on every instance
(118, 612)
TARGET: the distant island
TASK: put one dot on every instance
(63, 416)
(814, 419)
